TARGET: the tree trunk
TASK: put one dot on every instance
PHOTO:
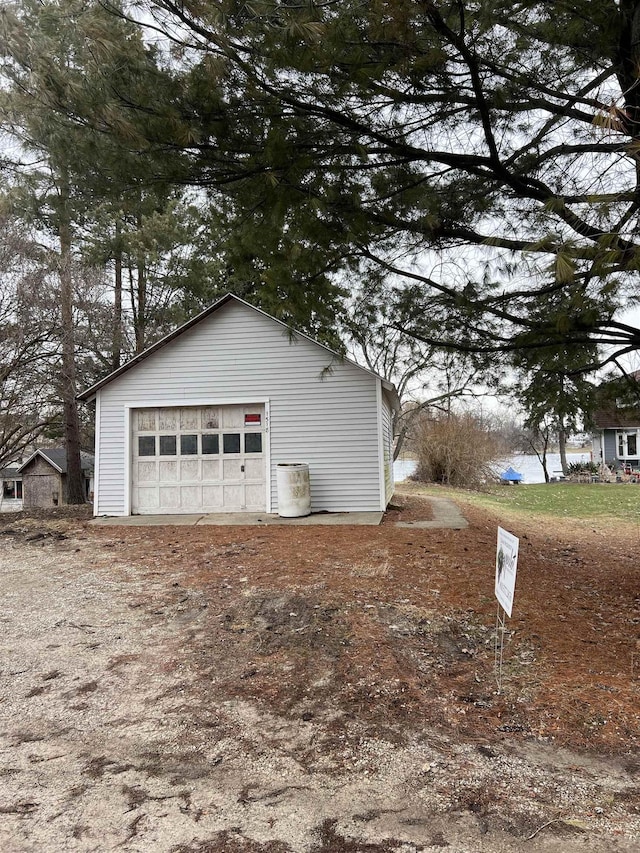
(543, 461)
(399, 443)
(562, 446)
(116, 347)
(75, 492)
(141, 319)
(142, 307)
(541, 454)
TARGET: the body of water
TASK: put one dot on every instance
(403, 468)
(526, 464)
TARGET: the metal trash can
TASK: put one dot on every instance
(294, 489)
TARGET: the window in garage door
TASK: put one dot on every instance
(204, 459)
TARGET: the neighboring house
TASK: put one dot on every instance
(44, 477)
(11, 494)
(616, 422)
(199, 421)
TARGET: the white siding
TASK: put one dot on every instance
(387, 441)
(323, 411)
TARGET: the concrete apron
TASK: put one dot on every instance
(445, 515)
(234, 519)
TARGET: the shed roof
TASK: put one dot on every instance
(9, 472)
(89, 393)
(57, 458)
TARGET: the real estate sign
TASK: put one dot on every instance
(506, 564)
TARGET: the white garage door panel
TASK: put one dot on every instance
(147, 472)
(212, 498)
(232, 469)
(190, 498)
(148, 499)
(169, 498)
(232, 495)
(253, 468)
(254, 494)
(168, 471)
(198, 459)
(232, 417)
(211, 470)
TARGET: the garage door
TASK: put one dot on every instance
(204, 459)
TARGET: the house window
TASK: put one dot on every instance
(627, 444)
(12, 489)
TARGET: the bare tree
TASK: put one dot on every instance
(425, 376)
(28, 343)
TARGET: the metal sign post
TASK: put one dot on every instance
(506, 564)
(498, 651)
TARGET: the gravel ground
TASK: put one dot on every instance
(119, 730)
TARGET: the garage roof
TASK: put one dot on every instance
(89, 393)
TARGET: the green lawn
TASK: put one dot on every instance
(564, 500)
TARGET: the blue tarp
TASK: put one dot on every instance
(511, 476)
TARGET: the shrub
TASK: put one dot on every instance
(456, 450)
(582, 468)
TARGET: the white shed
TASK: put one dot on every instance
(199, 421)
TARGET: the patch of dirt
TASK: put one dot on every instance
(79, 512)
(318, 689)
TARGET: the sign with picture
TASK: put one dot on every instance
(506, 564)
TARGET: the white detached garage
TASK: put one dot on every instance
(199, 421)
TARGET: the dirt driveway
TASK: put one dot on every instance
(317, 690)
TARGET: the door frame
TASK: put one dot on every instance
(173, 403)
